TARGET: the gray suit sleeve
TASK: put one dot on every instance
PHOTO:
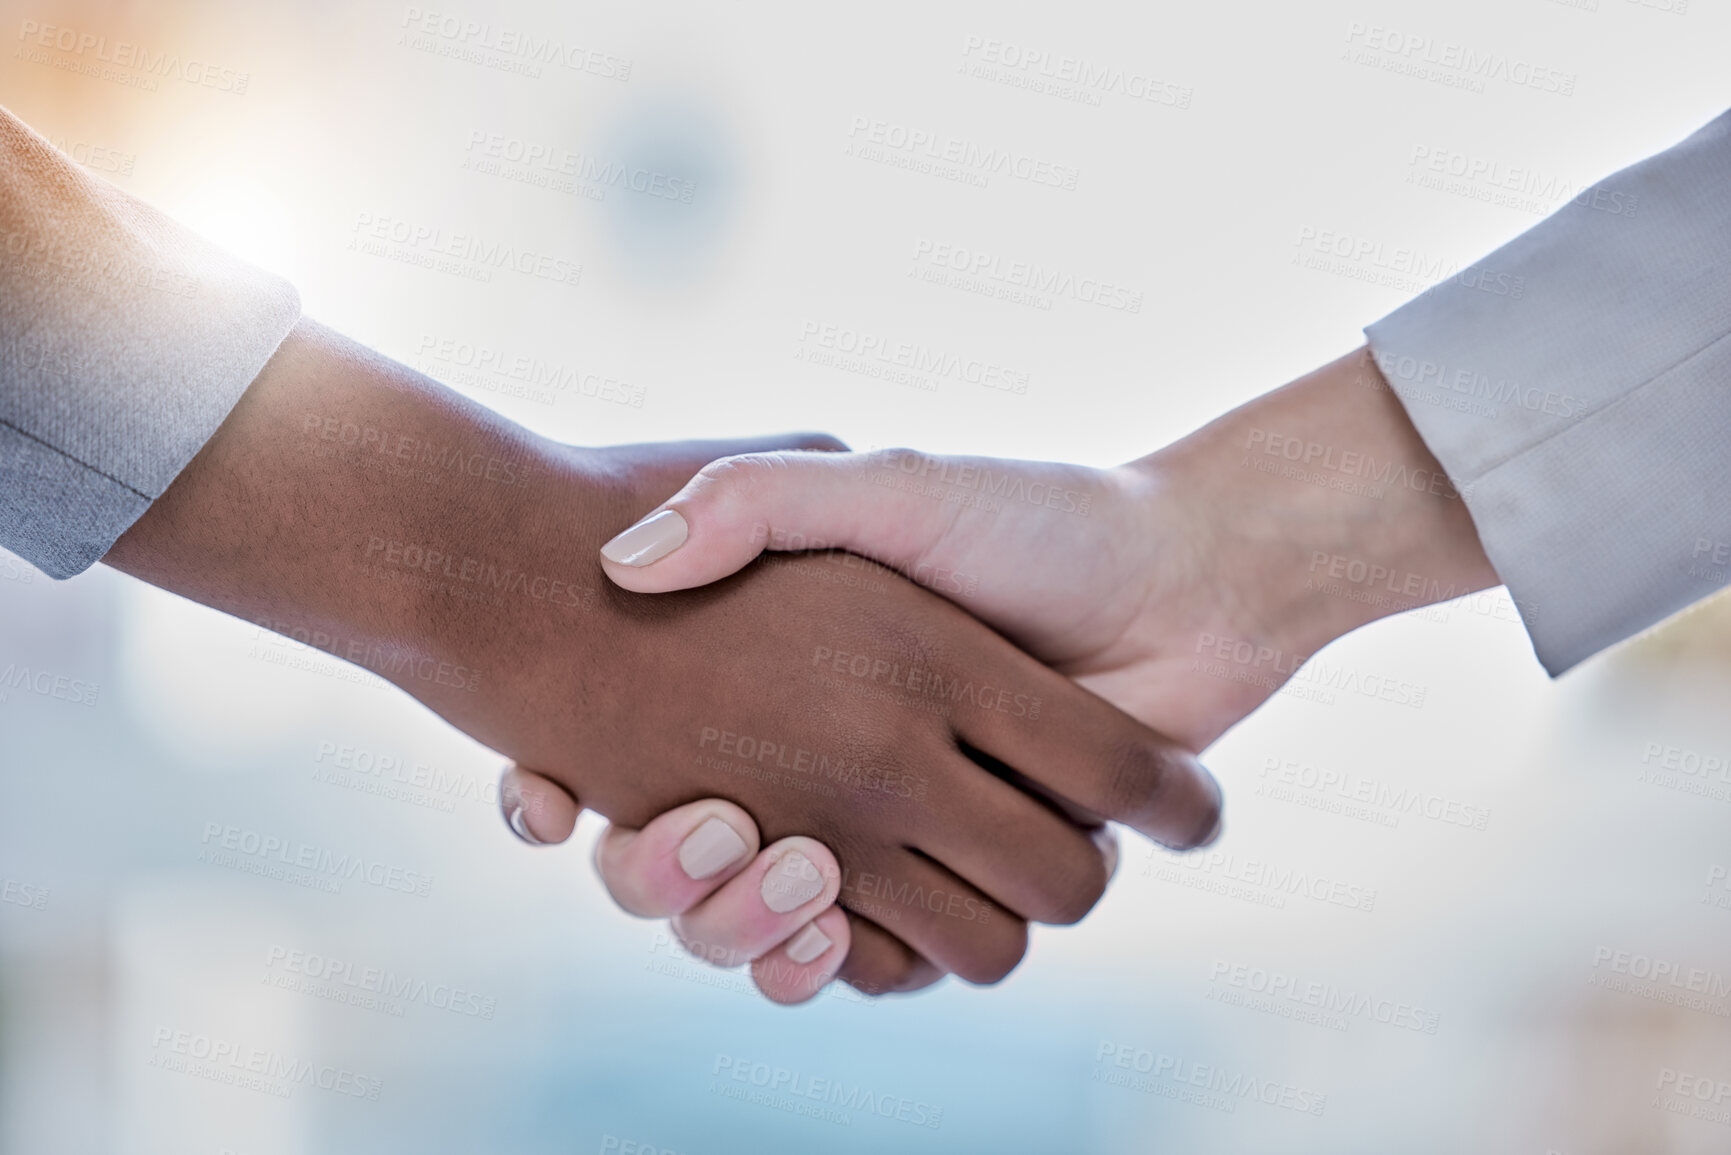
(125, 340)
(1576, 385)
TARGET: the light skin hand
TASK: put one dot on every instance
(1185, 587)
(1127, 579)
(361, 508)
(700, 866)
(742, 912)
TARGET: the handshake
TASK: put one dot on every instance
(855, 715)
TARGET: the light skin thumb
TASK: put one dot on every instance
(738, 507)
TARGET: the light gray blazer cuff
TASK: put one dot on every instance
(1576, 385)
(125, 340)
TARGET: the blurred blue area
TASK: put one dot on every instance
(683, 176)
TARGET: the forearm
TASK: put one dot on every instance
(297, 514)
(1325, 507)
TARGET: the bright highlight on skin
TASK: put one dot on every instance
(649, 540)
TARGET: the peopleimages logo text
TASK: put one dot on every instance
(1025, 275)
(1086, 75)
(315, 860)
(833, 1093)
(123, 54)
(222, 1060)
(1459, 59)
(516, 43)
(342, 974)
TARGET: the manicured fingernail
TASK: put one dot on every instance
(791, 883)
(710, 849)
(807, 944)
(649, 540)
(520, 825)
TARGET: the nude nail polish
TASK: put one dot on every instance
(710, 849)
(791, 883)
(807, 945)
(649, 540)
(520, 826)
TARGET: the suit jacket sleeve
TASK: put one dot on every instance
(1576, 385)
(125, 340)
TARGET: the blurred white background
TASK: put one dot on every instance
(1480, 1000)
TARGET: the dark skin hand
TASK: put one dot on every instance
(357, 506)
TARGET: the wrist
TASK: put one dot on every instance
(340, 503)
(1323, 508)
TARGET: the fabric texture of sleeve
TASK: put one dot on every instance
(125, 340)
(1576, 386)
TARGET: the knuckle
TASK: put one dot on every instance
(1136, 773)
(725, 483)
(1076, 887)
(885, 786)
(734, 487)
(990, 961)
(743, 470)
